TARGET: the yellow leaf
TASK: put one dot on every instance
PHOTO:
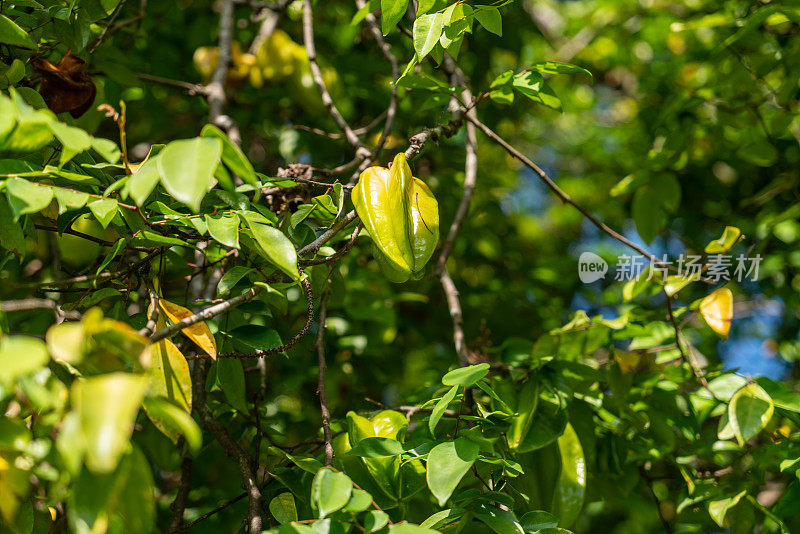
(717, 310)
(198, 332)
(627, 361)
(169, 378)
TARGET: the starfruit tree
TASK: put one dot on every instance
(311, 267)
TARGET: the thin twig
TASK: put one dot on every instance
(104, 276)
(76, 233)
(562, 195)
(219, 508)
(313, 247)
(297, 337)
(322, 366)
(178, 506)
(39, 304)
(231, 448)
(191, 88)
(152, 320)
(687, 358)
(454, 305)
(217, 309)
(216, 89)
(339, 253)
(391, 111)
(333, 135)
(470, 178)
(316, 73)
(205, 314)
(105, 31)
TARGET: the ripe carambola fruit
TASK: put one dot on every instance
(402, 218)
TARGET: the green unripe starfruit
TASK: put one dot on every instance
(402, 218)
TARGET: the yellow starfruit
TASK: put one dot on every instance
(402, 218)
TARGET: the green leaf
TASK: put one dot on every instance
(256, 337)
(427, 30)
(69, 200)
(7, 116)
(466, 376)
(499, 520)
(377, 447)
(330, 490)
(107, 406)
(537, 520)
(730, 236)
(359, 501)
(11, 74)
(489, 18)
(283, 508)
(749, 412)
(125, 496)
(11, 235)
(375, 520)
(447, 464)
(441, 406)
(502, 95)
(274, 245)
(26, 197)
(231, 378)
(385, 424)
(392, 12)
(782, 397)
(20, 355)
(647, 214)
(718, 509)
(304, 462)
(143, 181)
(170, 378)
(232, 155)
(12, 34)
(409, 528)
(187, 168)
(176, 420)
(571, 485)
(449, 517)
(107, 149)
(224, 228)
(526, 406)
(74, 140)
(104, 210)
(557, 67)
(528, 83)
(232, 277)
(423, 6)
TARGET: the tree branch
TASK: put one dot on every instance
(562, 195)
(470, 176)
(316, 73)
(178, 506)
(231, 447)
(152, 320)
(216, 95)
(39, 304)
(339, 253)
(454, 305)
(391, 111)
(322, 366)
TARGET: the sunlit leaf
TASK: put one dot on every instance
(717, 310)
(199, 333)
(749, 411)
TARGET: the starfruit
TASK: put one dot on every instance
(402, 218)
